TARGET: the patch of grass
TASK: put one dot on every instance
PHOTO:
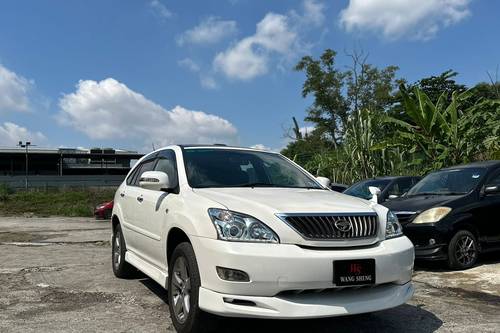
(67, 202)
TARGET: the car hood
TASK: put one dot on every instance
(419, 203)
(285, 200)
(264, 203)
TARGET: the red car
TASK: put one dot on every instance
(103, 211)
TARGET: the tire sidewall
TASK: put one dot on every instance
(192, 323)
(453, 263)
(119, 271)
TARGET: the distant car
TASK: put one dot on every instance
(103, 211)
(390, 187)
(338, 187)
(453, 214)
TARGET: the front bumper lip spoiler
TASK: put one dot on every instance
(329, 303)
(431, 252)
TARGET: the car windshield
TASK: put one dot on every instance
(361, 190)
(448, 182)
(216, 167)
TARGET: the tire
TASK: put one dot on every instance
(463, 250)
(184, 280)
(121, 268)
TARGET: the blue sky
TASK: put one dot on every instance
(129, 74)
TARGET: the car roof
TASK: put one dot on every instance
(215, 146)
(479, 164)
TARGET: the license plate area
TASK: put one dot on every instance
(356, 272)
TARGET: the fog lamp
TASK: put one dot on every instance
(230, 274)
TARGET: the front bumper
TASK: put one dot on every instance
(330, 303)
(430, 241)
(277, 269)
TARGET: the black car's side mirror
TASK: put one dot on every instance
(491, 189)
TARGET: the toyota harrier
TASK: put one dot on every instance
(240, 232)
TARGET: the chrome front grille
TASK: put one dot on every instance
(333, 226)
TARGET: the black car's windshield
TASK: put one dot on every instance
(361, 190)
(448, 182)
(217, 167)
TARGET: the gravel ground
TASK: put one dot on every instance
(55, 276)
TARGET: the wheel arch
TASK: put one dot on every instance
(175, 237)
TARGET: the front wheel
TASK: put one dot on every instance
(183, 290)
(463, 250)
(121, 268)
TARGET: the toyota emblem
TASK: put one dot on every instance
(343, 225)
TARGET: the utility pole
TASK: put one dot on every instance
(26, 146)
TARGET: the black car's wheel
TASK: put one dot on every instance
(183, 286)
(121, 268)
(463, 250)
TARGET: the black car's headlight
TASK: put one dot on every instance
(392, 226)
(432, 215)
(232, 226)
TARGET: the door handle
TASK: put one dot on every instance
(122, 194)
(140, 199)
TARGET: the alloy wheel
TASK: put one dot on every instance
(181, 290)
(466, 250)
(117, 250)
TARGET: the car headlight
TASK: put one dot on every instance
(432, 215)
(392, 226)
(232, 226)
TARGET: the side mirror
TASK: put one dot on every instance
(154, 180)
(325, 182)
(375, 192)
(491, 189)
(393, 196)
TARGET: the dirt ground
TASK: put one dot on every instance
(55, 276)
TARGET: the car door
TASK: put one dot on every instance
(132, 199)
(154, 212)
(488, 210)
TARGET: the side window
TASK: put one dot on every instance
(400, 187)
(130, 178)
(405, 185)
(145, 166)
(495, 178)
(168, 164)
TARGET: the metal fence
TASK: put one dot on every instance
(40, 182)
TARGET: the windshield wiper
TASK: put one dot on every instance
(255, 184)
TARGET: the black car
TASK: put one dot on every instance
(453, 214)
(390, 187)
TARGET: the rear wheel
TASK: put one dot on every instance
(183, 289)
(463, 250)
(121, 268)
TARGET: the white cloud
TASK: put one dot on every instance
(249, 57)
(11, 134)
(209, 31)
(14, 91)
(313, 12)
(110, 110)
(306, 130)
(394, 19)
(208, 82)
(160, 9)
(189, 64)
(277, 36)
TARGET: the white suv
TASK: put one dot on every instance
(246, 233)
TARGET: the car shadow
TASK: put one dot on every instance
(405, 318)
